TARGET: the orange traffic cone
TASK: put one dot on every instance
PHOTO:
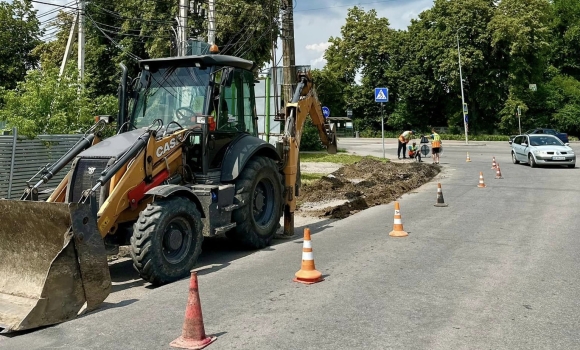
(468, 159)
(498, 173)
(440, 200)
(307, 273)
(481, 183)
(493, 164)
(398, 224)
(193, 333)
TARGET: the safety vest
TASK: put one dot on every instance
(436, 143)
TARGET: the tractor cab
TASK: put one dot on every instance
(212, 95)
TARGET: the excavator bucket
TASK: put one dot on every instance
(52, 263)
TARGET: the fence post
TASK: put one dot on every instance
(14, 140)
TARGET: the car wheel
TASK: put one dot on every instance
(514, 159)
(531, 161)
(571, 165)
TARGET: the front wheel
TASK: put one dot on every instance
(531, 161)
(514, 159)
(167, 240)
(259, 194)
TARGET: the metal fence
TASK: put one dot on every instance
(21, 158)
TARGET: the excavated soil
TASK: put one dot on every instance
(362, 185)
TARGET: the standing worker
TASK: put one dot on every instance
(404, 138)
(435, 146)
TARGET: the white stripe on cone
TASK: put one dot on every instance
(307, 244)
(307, 256)
(398, 222)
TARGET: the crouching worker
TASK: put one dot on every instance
(414, 152)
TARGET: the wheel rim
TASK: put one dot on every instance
(263, 203)
(513, 157)
(531, 160)
(176, 240)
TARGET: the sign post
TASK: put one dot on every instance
(382, 96)
(519, 119)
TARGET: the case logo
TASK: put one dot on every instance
(168, 146)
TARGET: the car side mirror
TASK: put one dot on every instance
(525, 144)
(510, 142)
(567, 144)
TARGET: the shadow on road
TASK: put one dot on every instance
(217, 253)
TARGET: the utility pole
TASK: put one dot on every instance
(289, 80)
(69, 44)
(211, 22)
(182, 37)
(461, 81)
(81, 51)
(288, 50)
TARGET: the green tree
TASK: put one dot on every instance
(19, 35)
(43, 103)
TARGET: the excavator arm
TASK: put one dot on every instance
(304, 103)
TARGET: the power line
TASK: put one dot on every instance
(351, 5)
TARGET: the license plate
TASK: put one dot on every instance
(558, 158)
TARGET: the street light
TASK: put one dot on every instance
(461, 81)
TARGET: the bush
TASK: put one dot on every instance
(310, 140)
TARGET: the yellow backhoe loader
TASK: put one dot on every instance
(186, 163)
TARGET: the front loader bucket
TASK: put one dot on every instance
(52, 262)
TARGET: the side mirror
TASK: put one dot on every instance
(566, 144)
(227, 77)
(510, 142)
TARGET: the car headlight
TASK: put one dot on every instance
(571, 151)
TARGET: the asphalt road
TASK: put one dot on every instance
(497, 269)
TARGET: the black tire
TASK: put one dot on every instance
(531, 161)
(514, 160)
(571, 165)
(167, 240)
(259, 192)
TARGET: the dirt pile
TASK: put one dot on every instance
(362, 185)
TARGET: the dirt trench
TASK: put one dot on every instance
(362, 185)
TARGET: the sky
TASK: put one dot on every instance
(315, 21)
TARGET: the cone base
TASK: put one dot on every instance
(468, 161)
(308, 276)
(398, 233)
(307, 281)
(440, 204)
(481, 186)
(183, 343)
(499, 177)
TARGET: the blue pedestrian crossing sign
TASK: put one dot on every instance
(381, 95)
(326, 112)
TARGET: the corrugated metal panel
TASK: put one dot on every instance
(30, 157)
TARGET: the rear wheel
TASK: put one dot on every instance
(259, 192)
(167, 240)
(514, 159)
(531, 161)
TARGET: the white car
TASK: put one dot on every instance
(542, 149)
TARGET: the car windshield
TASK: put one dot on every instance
(169, 94)
(545, 140)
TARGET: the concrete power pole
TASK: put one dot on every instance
(211, 24)
(288, 50)
(81, 51)
(182, 37)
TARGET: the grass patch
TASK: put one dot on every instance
(341, 158)
(309, 178)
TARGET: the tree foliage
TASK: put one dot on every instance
(504, 45)
(19, 35)
(45, 104)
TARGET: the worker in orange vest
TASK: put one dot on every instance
(435, 146)
(404, 138)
